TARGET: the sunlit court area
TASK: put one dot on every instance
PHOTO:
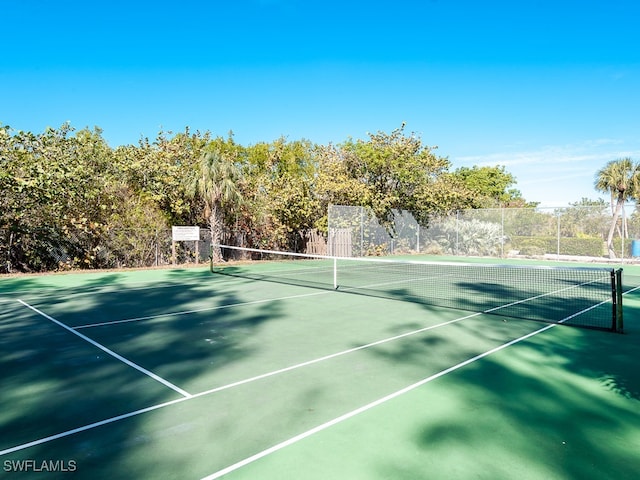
(265, 368)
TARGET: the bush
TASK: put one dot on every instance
(465, 237)
(586, 247)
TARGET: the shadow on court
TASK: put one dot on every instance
(560, 405)
(54, 382)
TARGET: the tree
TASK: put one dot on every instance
(585, 218)
(491, 186)
(157, 170)
(621, 178)
(387, 173)
(52, 197)
(279, 181)
(215, 183)
(335, 184)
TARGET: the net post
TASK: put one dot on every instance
(619, 324)
(335, 273)
(614, 300)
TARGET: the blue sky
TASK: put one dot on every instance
(549, 89)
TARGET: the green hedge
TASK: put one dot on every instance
(617, 244)
(587, 247)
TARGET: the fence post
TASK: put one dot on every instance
(558, 236)
(362, 231)
(624, 235)
(502, 232)
(457, 231)
(9, 247)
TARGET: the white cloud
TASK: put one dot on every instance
(599, 151)
(555, 175)
(556, 178)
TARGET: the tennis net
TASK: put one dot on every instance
(581, 296)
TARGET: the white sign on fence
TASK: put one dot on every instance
(184, 233)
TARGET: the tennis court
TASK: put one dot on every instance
(185, 373)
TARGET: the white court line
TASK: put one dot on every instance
(389, 397)
(225, 387)
(91, 426)
(110, 352)
(110, 289)
(631, 290)
(204, 309)
(369, 406)
(304, 435)
(337, 354)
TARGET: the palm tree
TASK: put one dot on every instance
(621, 178)
(216, 184)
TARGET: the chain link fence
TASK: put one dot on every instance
(559, 233)
(562, 233)
(45, 249)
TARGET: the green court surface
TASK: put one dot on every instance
(181, 373)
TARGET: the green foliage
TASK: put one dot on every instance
(621, 178)
(490, 186)
(215, 182)
(51, 187)
(156, 170)
(396, 169)
(335, 184)
(68, 200)
(280, 180)
(465, 237)
(543, 245)
(133, 234)
(386, 173)
(587, 218)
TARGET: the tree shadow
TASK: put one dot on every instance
(560, 405)
(545, 295)
(55, 382)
